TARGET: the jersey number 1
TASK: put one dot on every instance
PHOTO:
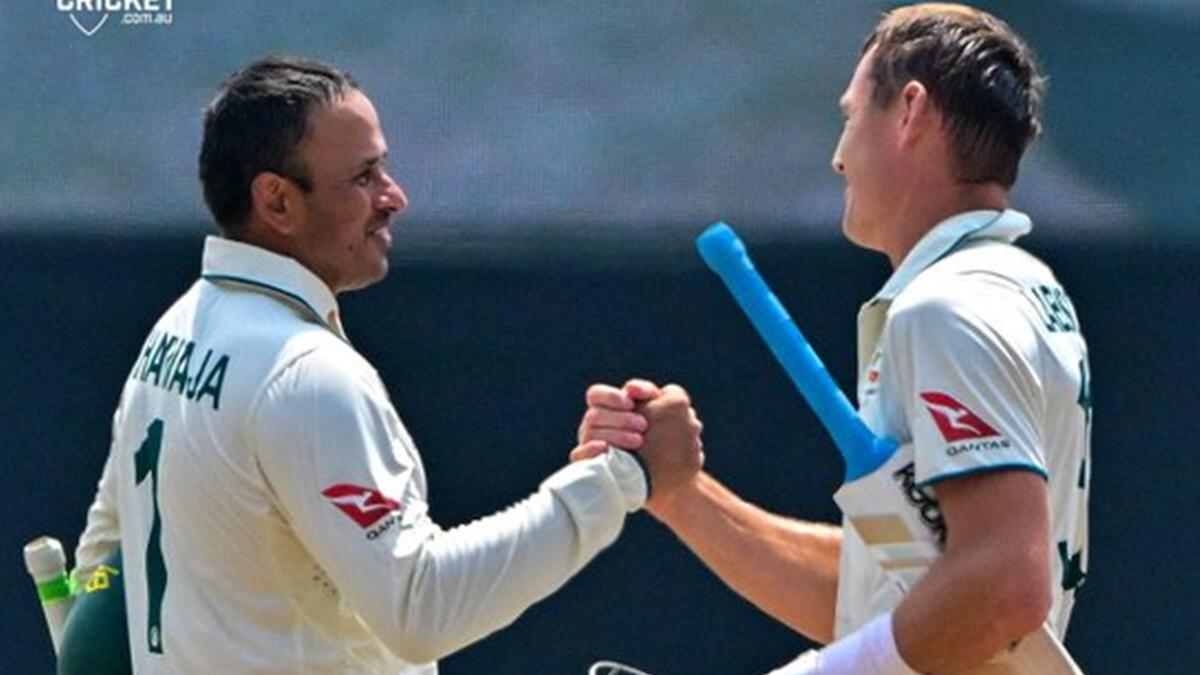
(146, 462)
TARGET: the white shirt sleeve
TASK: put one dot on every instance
(102, 534)
(966, 365)
(425, 592)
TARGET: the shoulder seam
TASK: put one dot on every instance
(275, 375)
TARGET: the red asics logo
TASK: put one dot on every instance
(364, 505)
(954, 420)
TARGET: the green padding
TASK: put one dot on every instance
(96, 639)
(55, 589)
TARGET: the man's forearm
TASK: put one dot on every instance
(955, 619)
(992, 586)
(787, 568)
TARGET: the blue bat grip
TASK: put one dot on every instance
(726, 255)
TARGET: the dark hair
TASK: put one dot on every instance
(255, 124)
(977, 70)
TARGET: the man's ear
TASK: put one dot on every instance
(274, 201)
(918, 113)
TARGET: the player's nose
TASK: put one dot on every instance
(839, 167)
(393, 198)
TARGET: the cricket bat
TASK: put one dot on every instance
(877, 496)
(47, 564)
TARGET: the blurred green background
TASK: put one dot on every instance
(511, 116)
(560, 157)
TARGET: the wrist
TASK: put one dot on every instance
(617, 469)
(869, 651)
(645, 471)
(668, 505)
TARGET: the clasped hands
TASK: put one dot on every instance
(658, 424)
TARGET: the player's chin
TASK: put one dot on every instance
(380, 271)
(851, 228)
(370, 274)
(855, 226)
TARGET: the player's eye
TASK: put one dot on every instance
(364, 179)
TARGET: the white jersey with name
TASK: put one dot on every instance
(971, 358)
(271, 508)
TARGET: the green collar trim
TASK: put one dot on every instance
(274, 289)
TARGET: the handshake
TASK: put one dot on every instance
(657, 424)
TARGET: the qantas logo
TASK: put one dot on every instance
(955, 420)
(364, 505)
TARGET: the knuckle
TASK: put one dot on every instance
(676, 391)
(602, 394)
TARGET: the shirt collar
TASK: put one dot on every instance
(948, 235)
(234, 262)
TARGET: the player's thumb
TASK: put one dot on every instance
(641, 390)
(588, 450)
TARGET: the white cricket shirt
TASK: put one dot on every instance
(971, 358)
(271, 507)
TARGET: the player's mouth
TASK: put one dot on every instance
(380, 232)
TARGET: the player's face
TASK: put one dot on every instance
(867, 156)
(343, 232)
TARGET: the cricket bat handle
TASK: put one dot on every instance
(47, 564)
(726, 255)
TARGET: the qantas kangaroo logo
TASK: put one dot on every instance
(364, 505)
(955, 420)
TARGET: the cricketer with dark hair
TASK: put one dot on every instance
(269, 505)
(970, 356)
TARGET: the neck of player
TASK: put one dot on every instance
(920, 208)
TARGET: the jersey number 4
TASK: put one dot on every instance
(146, 463)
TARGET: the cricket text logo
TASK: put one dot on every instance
(364, 505)
(927, 507)
(89, 16)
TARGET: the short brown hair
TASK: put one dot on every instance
(255, 124)
(977, 70)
